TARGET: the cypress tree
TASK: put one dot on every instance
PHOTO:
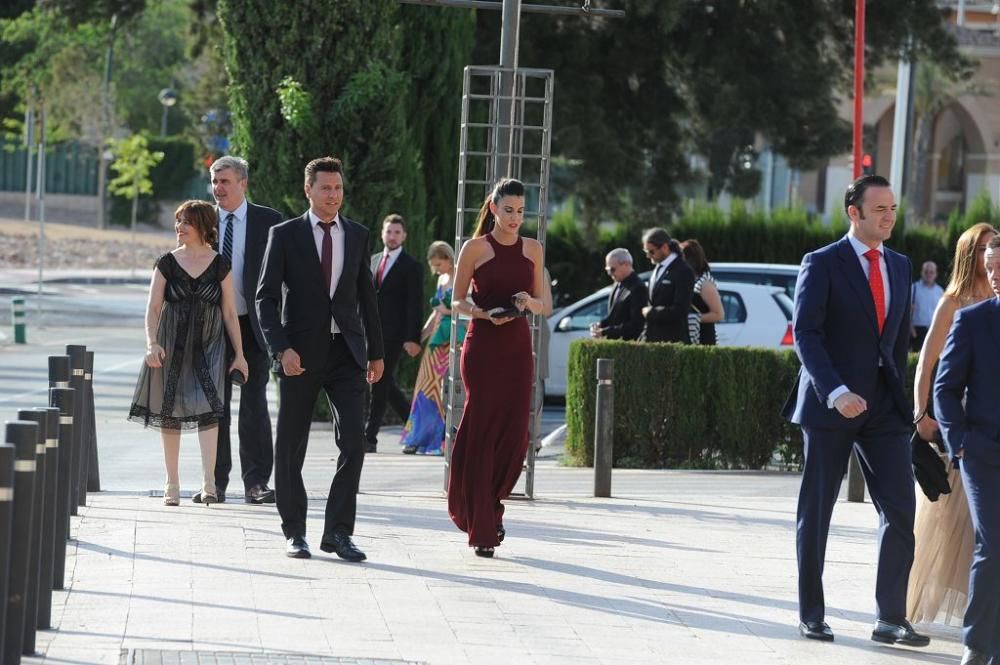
(308, 80)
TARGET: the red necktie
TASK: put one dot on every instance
(326, 255)
(875, 283)
(381, 268)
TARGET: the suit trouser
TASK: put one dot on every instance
(256, 444)
(346, 388)
(884, 452)
(982, 617)
(387, 392)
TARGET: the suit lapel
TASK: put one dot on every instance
(856, 278)
(350, 246)
(251, 247)
(898, 288)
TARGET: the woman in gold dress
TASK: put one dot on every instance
(939, 579)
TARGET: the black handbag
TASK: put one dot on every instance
(929, 469)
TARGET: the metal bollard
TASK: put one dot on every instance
(93, 474)
(35, 534)
(604, 427)
(24, 436)
(17, 307)
(7, 453)
(59, 371)
(47, 560)
(62, 399)
(855, 480)
(77, 358)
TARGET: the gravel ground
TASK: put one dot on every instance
(69, 246)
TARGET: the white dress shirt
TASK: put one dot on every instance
(659, 270)
(860, 248)
(239, 249)
(337, 235)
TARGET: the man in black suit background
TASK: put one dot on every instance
(398, 280)
(319, 315)
(624, 319)
(243, 229)
(671, 288)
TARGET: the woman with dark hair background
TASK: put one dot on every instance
(505, 274)
(191, 305)
(706, 305)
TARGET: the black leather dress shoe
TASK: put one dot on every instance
(816, 630)
(259, 494)
(341, 544)
(902, 633)
(973, 657)
(297, 548)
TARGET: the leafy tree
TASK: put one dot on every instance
(436, 47)
(133, 162)
(635, 97)
(307, 83)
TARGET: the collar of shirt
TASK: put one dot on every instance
(860, 248)
(240, 213)
(663, 265)
(393, 253)
(314, 220)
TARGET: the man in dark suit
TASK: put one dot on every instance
(318, 312)
(969, 369)
(624, 319)
(243, 229)
(671, 288)
(399, 281)
(852, 330)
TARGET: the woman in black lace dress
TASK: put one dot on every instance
(191, 299)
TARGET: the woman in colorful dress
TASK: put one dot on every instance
(424, 429)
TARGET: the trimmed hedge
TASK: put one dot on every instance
(704, 407)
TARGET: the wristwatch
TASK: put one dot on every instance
(923, 414)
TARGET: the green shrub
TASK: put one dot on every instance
(693, 407)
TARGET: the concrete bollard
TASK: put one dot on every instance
(93, 475)
(38, 518)
(604, 427)
(62, 399)
(77, 359)
(17, 309)
(855, 480)
(7, 454)
(59, 372)
(46, 564)
(24, 436)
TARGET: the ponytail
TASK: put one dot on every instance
(487, 220)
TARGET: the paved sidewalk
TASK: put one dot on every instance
(682, 567)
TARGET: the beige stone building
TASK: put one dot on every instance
(963, 157)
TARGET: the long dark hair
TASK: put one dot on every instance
(486, 220)
(694, 255)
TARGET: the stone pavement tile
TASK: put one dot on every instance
(498, 655)
(58, 655)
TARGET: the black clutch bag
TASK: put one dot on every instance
(929, 469)
(236, 377)
(509, 312)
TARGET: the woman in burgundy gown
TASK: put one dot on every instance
(503, 270)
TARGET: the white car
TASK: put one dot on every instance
(755, 315)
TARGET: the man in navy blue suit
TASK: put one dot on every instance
(970, 368)
(852, 331)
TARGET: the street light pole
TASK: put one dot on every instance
(859, 83)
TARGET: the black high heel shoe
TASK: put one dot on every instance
(486, 552)
(501, 532)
